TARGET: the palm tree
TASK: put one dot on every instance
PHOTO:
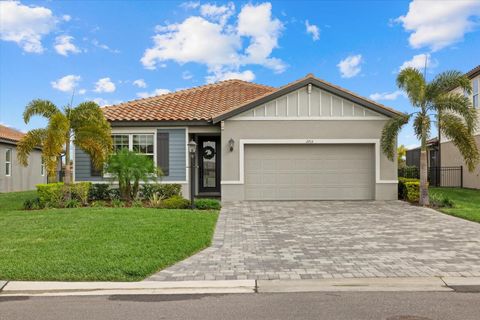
(84, 125)
(436, 102)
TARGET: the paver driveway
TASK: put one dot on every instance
(305, 240)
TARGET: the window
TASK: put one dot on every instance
(143, 144)
(8, 162)
(42, 167)
(94, 172)
(476, 85)
(120, 141)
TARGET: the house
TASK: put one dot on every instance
(14, 176)
(307, 140)
(413, 155)
(450, 156)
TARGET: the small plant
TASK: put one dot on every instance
(72, 203)
(80, 192)
(163, 190)
(155, 201)
(114, 194)
(176, 202)
(440, 201)
(99, 191)
(117, 203)
(137, 203)
(207, 204)
(33, 204)
(99, 204)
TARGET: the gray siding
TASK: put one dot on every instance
(177, 158)
(22, 178)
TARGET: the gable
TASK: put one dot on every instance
(308, 102)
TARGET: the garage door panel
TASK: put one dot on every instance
(309, 172)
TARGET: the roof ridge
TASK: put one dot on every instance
(194, 89)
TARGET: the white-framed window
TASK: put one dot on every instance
(476, 89)
(120, 141)
(141, 143)
(42, 167)
(8, 162)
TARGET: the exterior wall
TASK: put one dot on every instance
(452, 157)
(177, 157)
(21, 178)
(232, 190)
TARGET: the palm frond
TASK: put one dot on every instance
(460, 105)
(447, 81)
(454, 128)
(413, 83)
(422, 126)
(39, 107)
(33, 139)
(390, 133)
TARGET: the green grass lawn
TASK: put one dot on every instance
(467, 202)
(111, 244)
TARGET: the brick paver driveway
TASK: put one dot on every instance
(305, 240)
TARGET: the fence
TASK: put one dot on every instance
(437, 176)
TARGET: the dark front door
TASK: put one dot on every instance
(209, 164)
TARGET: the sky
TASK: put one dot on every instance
(114, 51)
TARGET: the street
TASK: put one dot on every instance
(315, 305)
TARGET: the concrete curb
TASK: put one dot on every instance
(52, 288)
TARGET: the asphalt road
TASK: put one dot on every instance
(335, 305)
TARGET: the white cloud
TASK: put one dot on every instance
(104, 85)
(82, 91)
(101, 102)
(140, 83)
(154, 93)
(418, 62)
(67, 83)
(386, 95)
(187, 75)
(224, 51)
(350, 66)
(25, 25)
(66, 17)
(246, 75)
(190, 5)
(103, 46)
(313, 30)
(438, 24)
(64, 45)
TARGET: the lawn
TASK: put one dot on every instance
(467, 202)
(87, 244)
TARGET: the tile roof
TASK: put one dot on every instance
(199, 103)
(10, 134)
(206, 102)
(474, 72)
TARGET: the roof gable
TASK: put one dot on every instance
(305, 82)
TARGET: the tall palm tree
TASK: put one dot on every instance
(84, 125)
(435, 102)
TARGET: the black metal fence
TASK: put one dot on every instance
(437, 176)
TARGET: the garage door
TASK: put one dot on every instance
(309, 172)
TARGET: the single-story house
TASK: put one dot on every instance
(307, 140)
(14, 176)
(450, 156)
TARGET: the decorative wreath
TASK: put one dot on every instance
(208, 152)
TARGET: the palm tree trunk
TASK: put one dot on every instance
(424, 199)
(67, 181)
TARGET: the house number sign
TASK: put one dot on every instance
(309, 141)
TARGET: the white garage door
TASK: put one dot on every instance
(309, 172)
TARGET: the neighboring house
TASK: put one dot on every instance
(14, 176)
(413, 155)
(450, 156)
(307, 140)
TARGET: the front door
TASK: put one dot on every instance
(209, 164)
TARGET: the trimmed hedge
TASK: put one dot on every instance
(54, 194)
(164, 191)
(207, 204)
(409, 189)
(175, 202)
(99, 191)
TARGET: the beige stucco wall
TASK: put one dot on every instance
(451, 157)
(22, 178)
(300, 129)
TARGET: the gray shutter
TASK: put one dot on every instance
(163, 152)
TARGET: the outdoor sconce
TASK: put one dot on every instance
(231, 144)
(192, 147)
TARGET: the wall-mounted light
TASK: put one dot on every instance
(231, 144)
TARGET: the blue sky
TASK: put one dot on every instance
(114, 51)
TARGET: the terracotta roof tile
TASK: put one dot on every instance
(199, 103)
(10, 134)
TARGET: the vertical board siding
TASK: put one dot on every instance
(177, 158)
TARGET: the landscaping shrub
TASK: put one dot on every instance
(137, 203)
(207, 204)
(51, 193)
(73, 203)
(80, 191)
(175, 202)
(33, 204)
(99, 191)
(440, 201)
(117, 203)
(155, 201)
(402, 190)
(114, 194)
(164, 191)
(99, 204)
(412, 191)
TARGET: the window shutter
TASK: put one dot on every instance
(95, 172)
(163, 152)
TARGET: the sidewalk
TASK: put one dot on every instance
(50, 288)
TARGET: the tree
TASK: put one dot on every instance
(435, 102)
(401, 154)
(129, 168)
(83, 125)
